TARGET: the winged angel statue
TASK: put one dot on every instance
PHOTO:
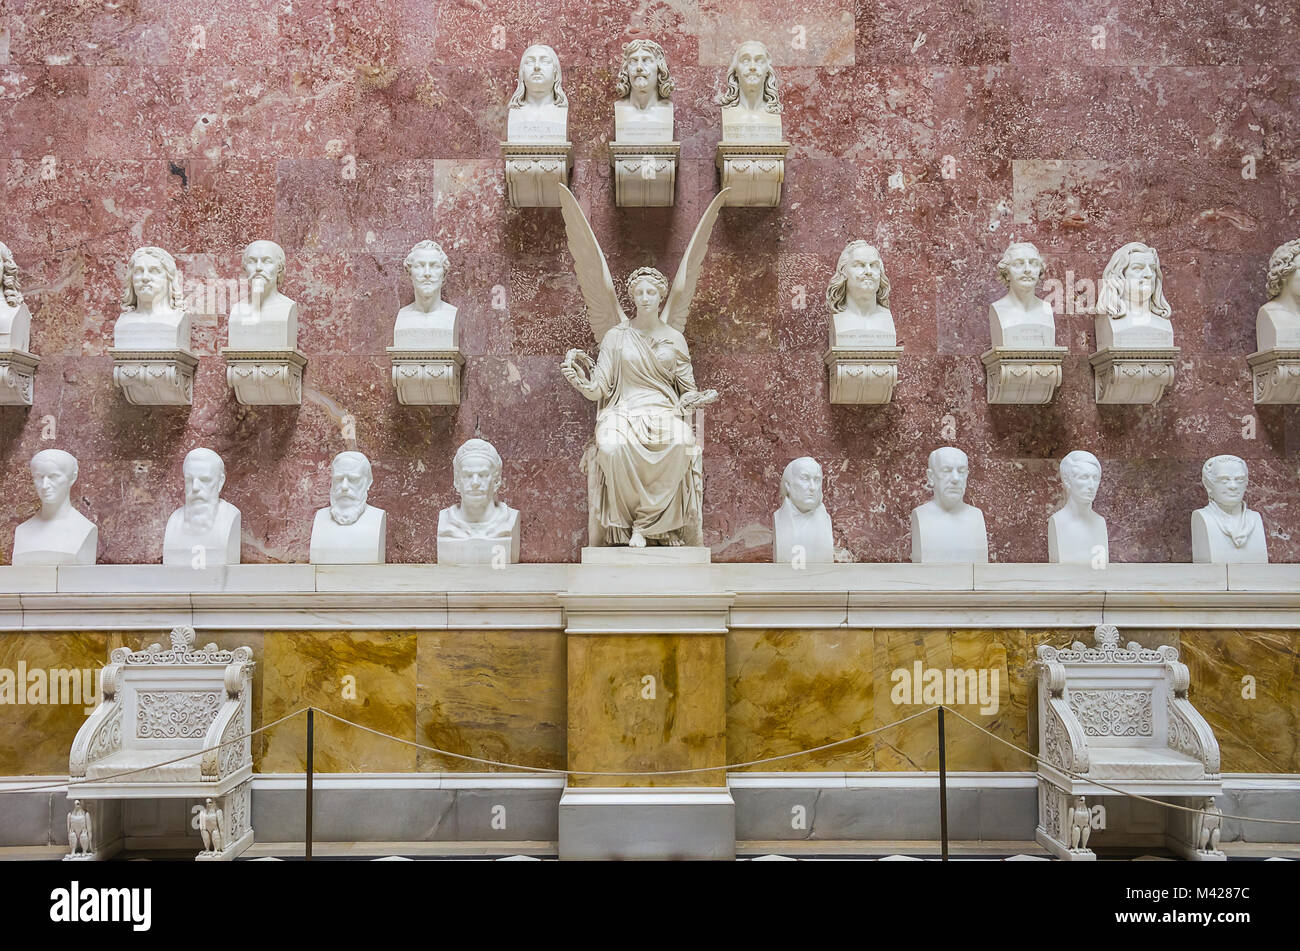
(645, 477)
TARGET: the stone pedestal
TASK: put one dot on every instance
(533, 171)
(1022, 376)
(647, 694)
(17, 377)
(754, 173)
(265, 377)
(862, 376)
(1276, 373)
(645, 176)
(1132, 376)
(427, 377)
(155, 377)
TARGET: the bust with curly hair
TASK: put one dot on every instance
(153, 305)
(643, 111)
(751, 103)
(858, 299)
(1278, 322)
(15, 318)
(1131, 308)
(1020, 318)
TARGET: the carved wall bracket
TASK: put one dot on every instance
(155, 377)
(17, 377)
(754, 173)
(862, 376)
(427, 377)
(265, 377)
(645, 176)
(533, 171)
(1132, 376)
(1276, 373)
(1014, 375)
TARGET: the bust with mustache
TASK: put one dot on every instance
(1021, 319)
(642, 110)
(1225, 531)
(153, 308)
(58, 534)
(428, 322)
(349, 532)
(206, 529)
(946, 530)
(264, 319)
(802, 526)
(479, 529)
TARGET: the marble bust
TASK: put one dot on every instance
(802, 522)
(349, 532)
(858, 298)
(1225, 531)
(1076, 534)
(478, 529)
(1277, 325)
(428, 322)
(15, 318)
(206, 521)
(1132, 312)
(265, 319)
(751, 103)
(58, 534)
(643, 113)
(1020, 320)
(153, 305)
(539, 108)
(946, 529)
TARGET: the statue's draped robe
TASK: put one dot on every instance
(648, 476)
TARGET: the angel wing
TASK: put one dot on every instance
(688, 272)
(603, 308)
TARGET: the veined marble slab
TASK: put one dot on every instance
(1115, 577)
(20, 579)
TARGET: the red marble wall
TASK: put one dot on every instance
(199, 126)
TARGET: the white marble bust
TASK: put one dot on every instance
(1277, 325)
(58, 534)
(265, 319)
(643, 113)
(539, 108)
(858, 298)
(946, 529)
(1132, 312)
(206, 521)
(751, 103)
(349, 532)
(15, 318)
(1225, 531)
(1020, 320)
(801, 527)
(1076, 535)
(428, 322)
(153, 315)
(478, 529)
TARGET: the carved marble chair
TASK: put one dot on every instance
(1120, 715)
(157, 705)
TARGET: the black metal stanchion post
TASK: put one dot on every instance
(311, 746)
(943, 790)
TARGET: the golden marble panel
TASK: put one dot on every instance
(365, 676)
(791, 690)
(614, 723)
(498, 695)
(1256, 720)
(36, 734)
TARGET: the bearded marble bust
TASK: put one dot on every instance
(858, 298)
(1225, 531)
(349, 532)
(751, 103)
(265, 319)
(643, 112)
(58, 534)
(478, 528)
(1277, 325)
(153, 306)
(206, 522)
(15, 318)
(539, 108)
(801, 527)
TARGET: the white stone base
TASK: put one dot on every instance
(604, 824)
(1132, 376)
(754, 173)
(1022, 376)
(265, 377)
(1276, 375)
(17, 377)
(534, 171)
(650, 555)
(645, 176)
(863, 377)
(478, 551)
(230, 852)
(155, 377)
(427, 377)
